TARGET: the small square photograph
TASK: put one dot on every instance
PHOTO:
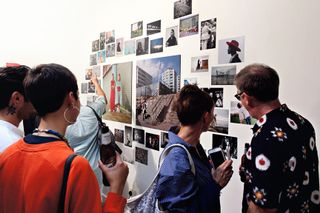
(208, 34)
(220, 122)
(154, 27)
(88, 73)
(110, 37)
(152, 141)
(239, 114)
(102, 56)
(119, 49)
(138, 135)
(91, 99)
(189, 26)
(171, 36)
(223, 75)
(93, 59)
(95, 45)
(231, 50)
(215, 94)
(91, 87)
(182, 8)
(156, 45)
(118, 135)
(188, 81)
(164, 139)
(110, 50)
(127, 155)
(228, 144)
(141, 155)
(128, 136)
(84, 88)
(142, 46)
(130, 47)
(97, 70)
(136, 29)
(200, 64)
(102, 40)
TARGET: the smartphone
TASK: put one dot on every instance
(217, 156)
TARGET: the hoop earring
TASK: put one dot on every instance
(65, 114)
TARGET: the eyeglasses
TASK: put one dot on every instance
(238, 96)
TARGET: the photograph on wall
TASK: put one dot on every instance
(164, 139)
(223, 75)
(91, 87)
(189, 26)
(188, 81)
(118, 135)
(95, 45)
(182, 8)
(136, 29)
(91, 99)
(97, 70)
(84, 88)
(117, 83)
(110, 37)
(228, 144)
(171, 36)
(130, 47)
(208, 34)
(102, 56)
(127, 155)
(216, 94)
(152, 141)
(156, 45)
(142, 46)
(119, 44)
(110, 51)
(128, 136)
(158, 80)
(239, 114)
(154, 27)
(141, 155)
(88, 73)
(200, 63)
(102, 40)
(220, 122)
(231, 50)
(138, 135)
(93, 59)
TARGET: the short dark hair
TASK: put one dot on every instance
(47, 86)
(191, 103)
(259, 81)
(11, 80)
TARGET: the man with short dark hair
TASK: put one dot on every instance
(280, 169)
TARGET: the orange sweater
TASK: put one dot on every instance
(31, 179)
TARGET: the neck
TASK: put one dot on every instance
(13, 119)
(54, 121)
(264, 108)
(190, 134)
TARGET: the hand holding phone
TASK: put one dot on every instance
(216, 156)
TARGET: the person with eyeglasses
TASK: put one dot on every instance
(280, 169)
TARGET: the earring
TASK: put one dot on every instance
(11, 110)
(65, 113)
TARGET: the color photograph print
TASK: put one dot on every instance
(189, 26)
(95, 45)
(182, 8)
(93, 59)
(117, 83)
(154, 27)
(128, 136)
(88, 73)
(228, 144)
(136, 29)
(200, 64)
(127, 155)
(220, 122)
(102, 40)
(223, 75)
(110, 37)
(119, 44)
(118, 135)
(152, 141)
(158, 80)
(188, 81)
(171, 36)
(239, 114)
(156, 45)
(142, 46)
(208, 34)
(130, 47)
(141, 155)
(102, 56)
(97, 70)
(110, 51)
(84, 88)
(216, 94)
(231, 50)
(138, 135)
(164, 139)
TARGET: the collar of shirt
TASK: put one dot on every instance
(12, 128)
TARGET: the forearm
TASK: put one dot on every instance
(100, 91)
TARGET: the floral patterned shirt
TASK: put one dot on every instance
(281, 165)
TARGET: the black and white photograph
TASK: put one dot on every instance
(154, 27)
(84, 88)
(141, 155)
(152, 141)
(118, 135)
(110, 37)
(208, 34)
(231, 50)
(216, 94)
(138, 135)
(189, 26)
(102, 40)
(93, 59)
(128, 136)
(220, 122)
(88, 73)
(95, 45)
(228, 144)
(142, 46)
(164, 139)
(223, 75)
(200, 64)
(130, 47)
(182, 8)
(110, 51)
(136, 29)
(171, 36)
(156, 45)
(91, 99)
(97, 70)
(91, 87)
(119, 48)
(239, 114)
(127, 155)
(188, 81)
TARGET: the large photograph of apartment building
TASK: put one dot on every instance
(158, 80)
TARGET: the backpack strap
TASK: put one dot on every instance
(66, 172)
(97, 116)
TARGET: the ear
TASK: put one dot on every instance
(71, 100)
(206, 117)
(17, 99)
(248, 100)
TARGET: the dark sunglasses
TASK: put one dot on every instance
(238, 96)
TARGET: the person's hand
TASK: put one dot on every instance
(242, 169)
(116, 175)
(94, 79)
(223, 173)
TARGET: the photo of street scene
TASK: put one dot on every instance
(189, 26)
(223, 75)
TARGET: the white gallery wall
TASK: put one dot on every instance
(283, 34)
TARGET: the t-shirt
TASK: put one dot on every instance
(9, 134)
